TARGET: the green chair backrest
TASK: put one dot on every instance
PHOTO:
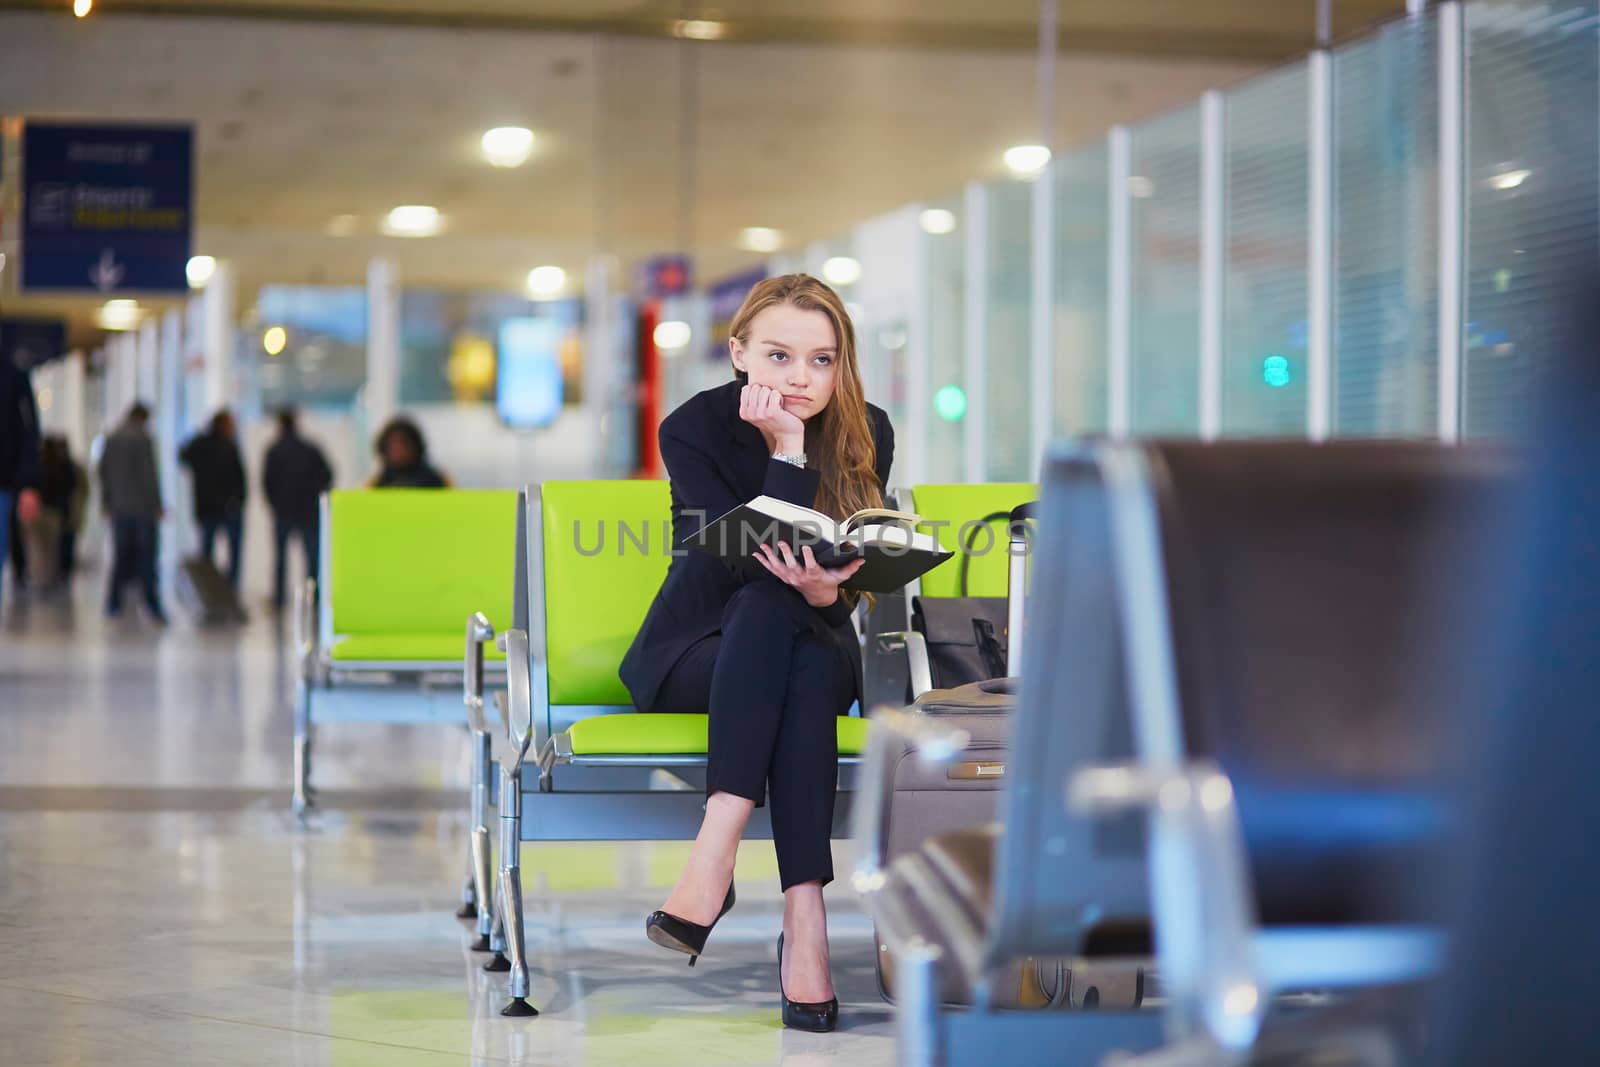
(950, 511)
(606, 546)
(419, 561)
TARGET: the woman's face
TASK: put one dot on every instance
(397, 451)
(794, 352)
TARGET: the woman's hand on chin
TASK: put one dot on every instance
(762, 407)
(819, 585)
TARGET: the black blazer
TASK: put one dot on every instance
(717, 461)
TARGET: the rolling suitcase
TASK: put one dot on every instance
(207, 594)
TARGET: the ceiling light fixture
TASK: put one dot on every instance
(936, 220)
(1027, 160)
(199, 270)
(672, 335)
(119, 315)
(81, 8)
(412, 220)
(507, 146)
(547, 281)
(274, 340)
(760, 239)
(1140, 187)
(700, 29)
(842, 270)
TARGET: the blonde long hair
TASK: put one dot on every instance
(839, 438)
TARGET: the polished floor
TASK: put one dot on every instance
(160, 906)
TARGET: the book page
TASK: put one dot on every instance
(859, 517)
(797, 516)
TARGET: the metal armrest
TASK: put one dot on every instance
(479, 630)
(1200, 892)
(519, 695)
(935, 742)
(915, 647)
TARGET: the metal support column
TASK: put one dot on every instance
(1213, 260)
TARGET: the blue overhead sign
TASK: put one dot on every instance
(107, 208)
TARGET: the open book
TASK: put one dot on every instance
(894, 551)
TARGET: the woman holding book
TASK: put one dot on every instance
(772, 659)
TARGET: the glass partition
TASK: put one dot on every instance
(1082, 250)
(1264, 342)
(1165, 332)
(1010, 286)
(1533, 194)
(1386, 232)
(944, 244)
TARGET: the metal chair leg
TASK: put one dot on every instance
(475, 895)
(917, 1008)
(511, 892)
(304, 795)
(482, 858)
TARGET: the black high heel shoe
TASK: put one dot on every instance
(818, 1018)
(681, 935)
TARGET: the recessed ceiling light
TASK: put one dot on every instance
(507, 146)
(1027, 160)
(199, 270)
(760, 239)
(274, 340)
(119, 314)
(341, 226)
(700, 29)
(412, 220)
(546, 281)
(672, 334)
(1141, 187)
(1509, 179)
(81, 8)
(842, 270)
(937, 220)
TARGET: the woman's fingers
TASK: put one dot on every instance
(788, 554)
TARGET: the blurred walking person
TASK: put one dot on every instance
(296, 474)
(131, 492)
(58, 489)
(19, 453)
(219, 489)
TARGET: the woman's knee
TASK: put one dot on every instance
(768, 600)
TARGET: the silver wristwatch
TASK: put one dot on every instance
(798, 459)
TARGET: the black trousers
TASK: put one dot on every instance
(773, 681)
(134, 559)
(306, 529)
(231, 527)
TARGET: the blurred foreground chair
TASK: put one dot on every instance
(1228, 738)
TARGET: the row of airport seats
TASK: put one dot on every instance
(563, 574)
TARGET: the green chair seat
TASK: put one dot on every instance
(407, 648)
(673, 735)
